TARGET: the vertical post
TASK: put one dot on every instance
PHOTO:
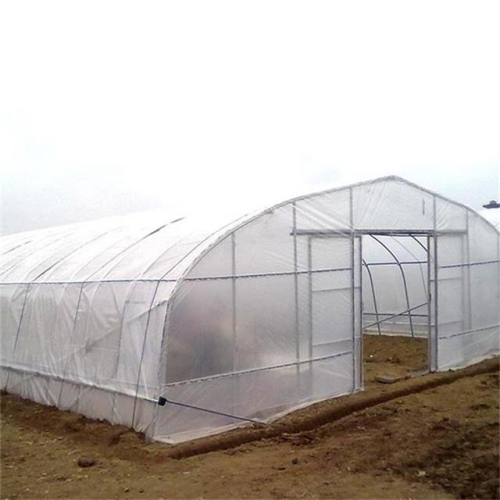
(498, 268)
(370, 277)
(235, 380)
(309, 267)
(436, 302)
(143, 350)
(296, 284)
(498, 271)
(429, 305)
(434, 340)
(360, 325)
(467, 285)
(353, 296)
(233, 293)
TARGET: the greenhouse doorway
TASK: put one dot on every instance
(397, 279)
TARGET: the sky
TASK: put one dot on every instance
(112, 107)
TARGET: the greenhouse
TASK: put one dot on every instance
(182, 325)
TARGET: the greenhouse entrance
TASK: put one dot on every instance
(396, 284)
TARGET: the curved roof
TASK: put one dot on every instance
(158, 245)
(147, 246)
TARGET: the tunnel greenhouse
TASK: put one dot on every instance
(182, 325)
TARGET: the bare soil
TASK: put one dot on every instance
(392, 356)
(442, 442)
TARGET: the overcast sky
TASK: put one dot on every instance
(111, 107)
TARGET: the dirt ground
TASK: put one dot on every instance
(438, 443)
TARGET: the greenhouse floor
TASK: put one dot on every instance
(436, 443)
(393, 356)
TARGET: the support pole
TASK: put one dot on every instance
(355, 354)
(429, 304)
(370, 277)
(233, 295)
(235, 385)
(396, 315)
(296, 284)
(467, 288)
(434, 343)
(436, 302)
(309, 267)
(361, 305)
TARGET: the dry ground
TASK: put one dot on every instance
(439, 443)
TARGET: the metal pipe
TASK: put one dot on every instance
(237, 276)
(146, 331)
(467, 290)
(353, 295)
(403, 263)
(390, 232)
(373, 295)
(235, 390)
(233, 295)
(429, 304)
(309, 266)
(434, 344)
(296, 283)
(361, 306)
(256, 370)
(369, 313)
(420, 243)
(470, 331)
(413, 255)
(35, 373)
(395, 316)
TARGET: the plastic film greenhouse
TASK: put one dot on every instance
(183, 325)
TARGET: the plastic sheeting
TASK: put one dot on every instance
(233, 318)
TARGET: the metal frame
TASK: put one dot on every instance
(296, 284)
(360, 318)
(406, 311)
(233, 295)
(374, 295)
(231, 276)
(310, 288)
(410, 233)
(219, 236)
(355, 353)
(432, 343)
(459, 334)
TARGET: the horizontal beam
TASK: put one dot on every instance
(469, 264)
(409, 262)
(468, 332)
(392, 314)
(255, 370)
(395, 315)
(78, 383)
(376, 232)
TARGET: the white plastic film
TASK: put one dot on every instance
(248, 316)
